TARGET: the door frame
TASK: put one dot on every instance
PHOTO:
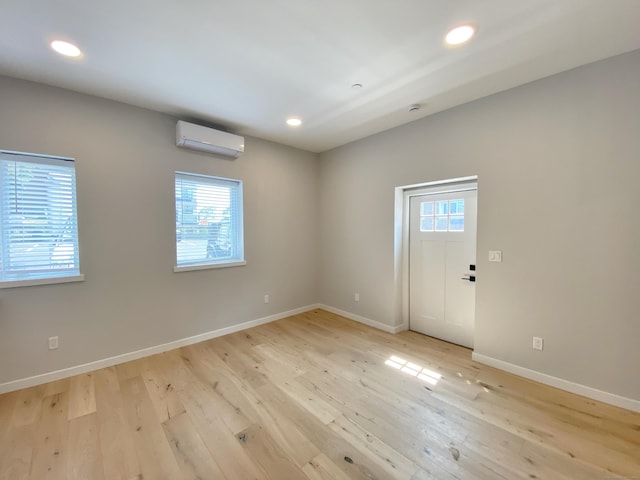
(403, 195)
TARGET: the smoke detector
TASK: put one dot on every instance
(415, 107)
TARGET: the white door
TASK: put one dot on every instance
(442, 258)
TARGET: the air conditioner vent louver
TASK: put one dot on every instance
(197, 137)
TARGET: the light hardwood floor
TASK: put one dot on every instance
(312, 397)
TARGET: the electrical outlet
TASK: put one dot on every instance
(53, 343)
(356, 297)
(538, 343)
(266, 299)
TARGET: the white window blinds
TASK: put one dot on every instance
(208, 220)
(38, 221)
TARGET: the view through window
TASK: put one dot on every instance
(442, 216)
(38, 220)
(208, 220)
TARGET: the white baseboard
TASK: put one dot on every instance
(589, 392)
(145, 352)
(365, 320)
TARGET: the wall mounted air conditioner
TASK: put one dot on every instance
(196, 137)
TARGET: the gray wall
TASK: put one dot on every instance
(131, 299)
(558, 162)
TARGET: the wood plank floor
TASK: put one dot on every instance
(314, 396)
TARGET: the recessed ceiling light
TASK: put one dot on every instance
(459, 35)
(356, 86)
(65, 48)
(294, 122)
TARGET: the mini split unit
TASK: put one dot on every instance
(197, 137)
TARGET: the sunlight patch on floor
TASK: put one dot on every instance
(414, 370)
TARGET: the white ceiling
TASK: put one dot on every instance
(248, 64)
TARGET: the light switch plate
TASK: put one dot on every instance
(495, 256)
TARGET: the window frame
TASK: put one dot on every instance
(75, 275)
(235, 261)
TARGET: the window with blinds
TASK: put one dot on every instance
(208, 221)
(38, 220)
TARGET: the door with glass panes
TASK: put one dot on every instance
(442, 257)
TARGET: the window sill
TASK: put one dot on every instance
(41, 281)
(207, 266)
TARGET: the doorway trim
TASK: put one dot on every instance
(403, 195)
